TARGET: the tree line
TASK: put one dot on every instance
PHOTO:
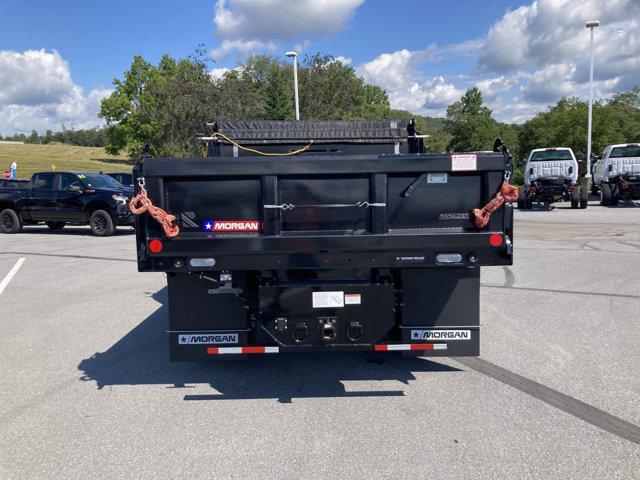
(166, 106)
(95, 137)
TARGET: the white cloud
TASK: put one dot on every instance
(492, 87)
(248, 26)
(218, 73)
(37, 92)
(530, 57)
(343, 60)
(552, 31)
(396, 73)
(242, 46)
(33, 77)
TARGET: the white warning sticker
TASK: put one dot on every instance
(464, 162)
(352, 299)
(328, 299)
(441, 335)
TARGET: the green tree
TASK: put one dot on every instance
(470, 123)
(164, 106)
(279, 102)
(330, 90)
(33, 138)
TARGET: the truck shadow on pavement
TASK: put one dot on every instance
(141, 357)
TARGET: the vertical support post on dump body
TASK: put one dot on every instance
(378, 195)
(270, 216)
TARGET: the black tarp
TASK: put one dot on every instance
(305, 131)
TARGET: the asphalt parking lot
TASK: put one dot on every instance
(87, 391)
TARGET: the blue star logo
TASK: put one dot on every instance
(208, 226)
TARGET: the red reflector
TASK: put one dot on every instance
(155, 246)
(533, 189)
(624, 186)
(495, 239)
(572, 189)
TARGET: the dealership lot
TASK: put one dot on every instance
(88, 391)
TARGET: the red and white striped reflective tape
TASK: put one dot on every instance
(221, 350)
(245, 350)
(413, 346)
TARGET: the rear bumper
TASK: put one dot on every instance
(629, 190)
(551, 193)
(436, 349)
(370, 251)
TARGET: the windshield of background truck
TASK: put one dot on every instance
(547, 155)
(97, 180)
(625, 152)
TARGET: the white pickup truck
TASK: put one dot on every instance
(617, 173)
(551, 175)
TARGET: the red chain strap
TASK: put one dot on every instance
(141, 203)
(507, 193)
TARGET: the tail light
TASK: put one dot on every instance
(495, 239)
(624, 186)
(571, 189)
(533, 189)
(155, 246)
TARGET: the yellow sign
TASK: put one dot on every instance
(53, 166)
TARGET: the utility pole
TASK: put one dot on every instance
(590, 25)
(295, 80)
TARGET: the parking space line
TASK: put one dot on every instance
(87, 257)
(570, 405)
(5, 281)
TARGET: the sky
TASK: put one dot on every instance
(58, 58)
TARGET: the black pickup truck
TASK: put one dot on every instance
(61, 198)
(359, 242)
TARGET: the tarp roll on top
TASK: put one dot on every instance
(294, 132)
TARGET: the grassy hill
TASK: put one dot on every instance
(38, 158)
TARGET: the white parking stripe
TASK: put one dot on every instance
(5, 281)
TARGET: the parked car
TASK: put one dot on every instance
(125, 178)
(617, 173)
(551, 175)
(61, 198)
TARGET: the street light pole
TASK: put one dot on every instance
(295, 80)
(590, 25)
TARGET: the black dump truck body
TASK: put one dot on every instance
(330, 249)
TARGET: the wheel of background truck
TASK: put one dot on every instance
(605, 194)
(528, 204)
(521, 198)
(56, 225)
(10, 221)
(615, 197)
(101, 223)
(594, 188)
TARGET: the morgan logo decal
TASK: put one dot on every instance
(231, 226)
(440, 334)
(206, 338)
